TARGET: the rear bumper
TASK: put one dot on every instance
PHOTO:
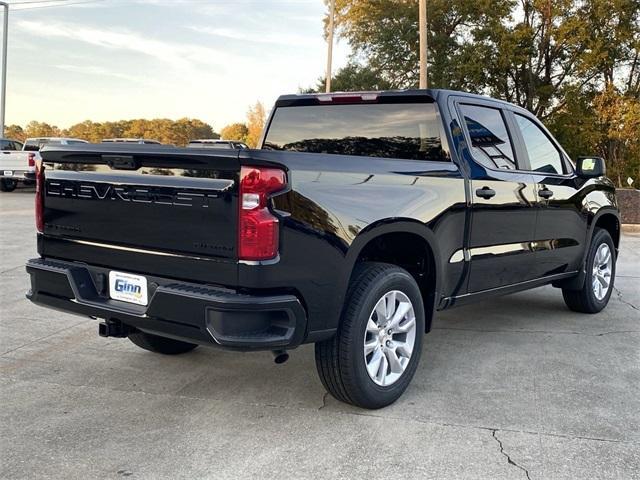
(19, 175)
(184, 311)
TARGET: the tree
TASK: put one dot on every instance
(573, 63)
(41, 129)
(618, 118)
(612, 43)
(256, 118)
(15, 132)
(384, 34)
(352, 78)
(235, 131)
(177, 132)
(87, 130)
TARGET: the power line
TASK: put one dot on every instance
(56, 5)
(36, 1)
(63, 3)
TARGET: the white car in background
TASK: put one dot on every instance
(15, 165)
(18, 161)
(36, 143)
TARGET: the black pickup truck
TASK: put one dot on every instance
(360, 216)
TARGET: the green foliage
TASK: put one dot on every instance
(174, 132)
(384, 33)
(574, 63)
(352, 78)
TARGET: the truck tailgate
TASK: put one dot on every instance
(157, 209)
(11, 160)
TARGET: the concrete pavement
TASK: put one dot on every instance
(514, 388)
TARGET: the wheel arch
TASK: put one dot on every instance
(420, 245)
(607, 218)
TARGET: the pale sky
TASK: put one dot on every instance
(121, 59)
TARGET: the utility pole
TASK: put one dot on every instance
(330, 49)
(422, 18)
(3, 88)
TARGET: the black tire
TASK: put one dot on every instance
(585, 300)
(156, 344)
(340, 360)
(8, 185)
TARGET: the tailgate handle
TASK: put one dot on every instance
(121, 162)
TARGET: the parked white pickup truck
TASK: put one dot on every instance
(16, 165)
(18, 161)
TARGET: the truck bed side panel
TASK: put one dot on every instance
(335, 198)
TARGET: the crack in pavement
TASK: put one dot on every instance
(324, 400)
(619, 294)
(509, 460)
(38, 340)
(178, 395)
(11, 269)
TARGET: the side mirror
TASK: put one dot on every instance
(591, 167)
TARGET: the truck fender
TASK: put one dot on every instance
(382, 227)
(577, 282)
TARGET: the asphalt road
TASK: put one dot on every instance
(513, 388)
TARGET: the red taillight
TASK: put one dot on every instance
(31, 158)
(257, 227)
(40, 197)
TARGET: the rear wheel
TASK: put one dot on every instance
(600, 273)
(373, 357)
(8, 185)
(157, 344)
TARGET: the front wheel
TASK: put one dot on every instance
(600, 268)
(373, 357)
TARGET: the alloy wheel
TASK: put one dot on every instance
(389, 338)
(602, 267)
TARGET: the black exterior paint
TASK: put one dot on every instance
(182, 228)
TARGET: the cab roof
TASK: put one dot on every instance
(382, 96)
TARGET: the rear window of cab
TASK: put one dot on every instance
(409, 131)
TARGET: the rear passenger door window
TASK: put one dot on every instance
(490, 141)
(544, 157)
